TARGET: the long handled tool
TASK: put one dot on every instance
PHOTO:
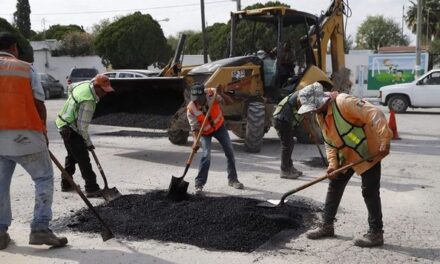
(106, 233)
(276, 203)
(313, 136)
(107, 193)
(178, 187)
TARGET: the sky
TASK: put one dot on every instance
(178, 15)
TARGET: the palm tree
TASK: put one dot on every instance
(430, 19)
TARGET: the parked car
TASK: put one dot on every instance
(51, 86)
(81, 74)
(423, 92)
(131, 74)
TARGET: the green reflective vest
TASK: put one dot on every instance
(351, 135)
(79, 93)
(297, 118)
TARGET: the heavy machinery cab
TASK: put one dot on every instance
(280, 40)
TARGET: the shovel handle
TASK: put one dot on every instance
(302, 187)
(199, 135)
(95, 157)
(69, 178)
(313, 136)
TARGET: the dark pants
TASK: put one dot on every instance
(285, 133)
(77, 153)
(370, 192)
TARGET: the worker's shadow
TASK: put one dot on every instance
(432, 254)
(86, 255)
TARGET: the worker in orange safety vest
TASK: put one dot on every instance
(197, 108)
(23, 141)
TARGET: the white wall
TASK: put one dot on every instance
(59, 67)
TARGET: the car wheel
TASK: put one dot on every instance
(398, 103)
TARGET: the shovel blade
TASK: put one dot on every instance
(110, 194)
(177, 190)
(271, 203)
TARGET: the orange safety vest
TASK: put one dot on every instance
(17, 106)
(215, 119)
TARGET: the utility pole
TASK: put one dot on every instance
(205, 39)
(403, 19)
(238, 4)
(419, 36)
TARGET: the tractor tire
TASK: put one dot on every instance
(178, 137)
(398, 103)
(255, 127)
(240, 131)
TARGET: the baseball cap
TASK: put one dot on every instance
(312, 97)
(7, 39)
(197, 91)
(103, 81)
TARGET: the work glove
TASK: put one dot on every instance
(90, 148)
(196, 147)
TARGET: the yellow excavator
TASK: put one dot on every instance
(288, 60)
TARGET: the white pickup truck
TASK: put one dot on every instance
(423, 92)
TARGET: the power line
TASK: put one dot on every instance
(125, 10)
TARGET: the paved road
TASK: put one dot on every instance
(410, 196)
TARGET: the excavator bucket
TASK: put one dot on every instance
(150, 95)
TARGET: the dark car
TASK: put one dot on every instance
(51, 86)
(81, 74)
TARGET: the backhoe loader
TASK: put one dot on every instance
(290, 58)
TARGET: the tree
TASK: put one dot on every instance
(57, 32)
(26, 52)
(434, 51)
(22, 19)
(133, 41)
(377, 31)
(97, 28)
(77, 44)
(430, 19)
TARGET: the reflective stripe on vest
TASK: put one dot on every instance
(17, 103)
(298, 118)
(69, 113)
(351, 135)
(215, 119)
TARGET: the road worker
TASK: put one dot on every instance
(73, 123)
(201, 98)
(353, 129)
(23, 140)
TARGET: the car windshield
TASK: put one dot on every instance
(84, 72)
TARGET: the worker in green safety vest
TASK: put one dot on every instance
(285, 120)
(353, 129)
(73, 122)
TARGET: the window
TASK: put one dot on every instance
(126, 75)
(432, 79)
(111, 74)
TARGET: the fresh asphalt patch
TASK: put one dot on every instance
(141, 120)
(228, 223)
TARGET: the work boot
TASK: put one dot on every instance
(46, 237)
(325, 230)
(199, 190)
(236, 184)
(4, 240)
(94, 194)
(370, 239)
(290, 173)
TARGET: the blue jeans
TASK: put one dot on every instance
(223, 138)
(39, 166)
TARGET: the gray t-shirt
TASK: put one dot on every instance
(24, 142)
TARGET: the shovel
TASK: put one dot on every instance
(107, 193)
(313, 136)
(276, 203)
(106, 233)
(178, 187)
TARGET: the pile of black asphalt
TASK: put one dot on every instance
(228, 223)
